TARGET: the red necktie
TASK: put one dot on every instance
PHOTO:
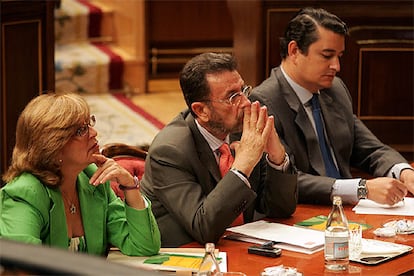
(226, 159)
(225, 162)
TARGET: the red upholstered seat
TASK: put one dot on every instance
(132, 158)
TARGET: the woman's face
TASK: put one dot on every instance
(78, 151)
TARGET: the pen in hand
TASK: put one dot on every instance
(393, 176)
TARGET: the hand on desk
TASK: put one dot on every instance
(386, 190)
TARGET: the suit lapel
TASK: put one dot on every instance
(58, 228)
(203, 149)
(303, 122)
(93, 212)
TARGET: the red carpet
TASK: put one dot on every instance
(139, 110)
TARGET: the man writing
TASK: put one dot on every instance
(314, 118)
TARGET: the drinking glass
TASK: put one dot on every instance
(355, 240)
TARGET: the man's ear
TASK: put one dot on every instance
(201, 110)
(293, 49)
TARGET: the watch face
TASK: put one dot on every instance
(362, 193)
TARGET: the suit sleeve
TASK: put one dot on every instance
(134, 232)
(277, 193)
(191, 196)
(24, 209)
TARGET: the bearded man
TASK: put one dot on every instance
(195, 195)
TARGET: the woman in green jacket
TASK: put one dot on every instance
(58, 191)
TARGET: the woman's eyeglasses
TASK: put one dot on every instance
(84, 129)
(235, 98)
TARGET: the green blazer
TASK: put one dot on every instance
(34, 213)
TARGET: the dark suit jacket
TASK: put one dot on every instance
(352, 142)
(189, 198)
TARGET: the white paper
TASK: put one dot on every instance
(377, 247)
(288, 237)
(377, 251)
(366, 206)
(281, 245)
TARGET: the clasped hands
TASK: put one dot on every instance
(259, 136)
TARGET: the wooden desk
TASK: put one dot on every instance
(239, 260)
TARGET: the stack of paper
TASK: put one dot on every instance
(287, 237)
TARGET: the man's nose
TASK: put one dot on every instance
(244, 101)
(336, 65)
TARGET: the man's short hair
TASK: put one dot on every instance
(303, 28)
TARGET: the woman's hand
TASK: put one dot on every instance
(108, 169)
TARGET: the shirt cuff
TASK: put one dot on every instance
(347, 189)
(396, 170)
(242, 176)
(282, 167)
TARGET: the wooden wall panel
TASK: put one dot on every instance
(27, 63)
(380, 93)
(186, 26)
(189, 23)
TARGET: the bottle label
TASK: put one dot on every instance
(340, 250)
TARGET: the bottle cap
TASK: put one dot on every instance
(337, 200)
(210, 247)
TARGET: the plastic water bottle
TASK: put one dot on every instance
(336, 238)
(209, 266)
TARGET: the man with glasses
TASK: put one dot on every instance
(194, 197)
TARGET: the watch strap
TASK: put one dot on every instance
(136, 185)
(362, 190)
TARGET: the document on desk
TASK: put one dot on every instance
(169, 261)
(402, 208)
(288, 237)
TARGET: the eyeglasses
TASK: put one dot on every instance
(84, 129)
(235, 98)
